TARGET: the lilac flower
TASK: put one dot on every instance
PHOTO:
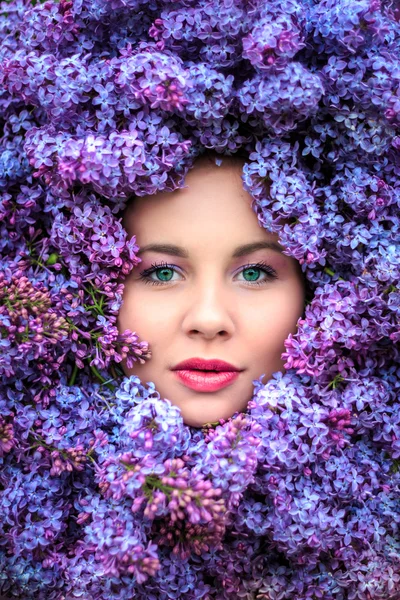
(230, 457)
(120, 546)
(149, 77)
(278, 103)
(155, 426)
(35, 326)
(209, 97)
(275, 38)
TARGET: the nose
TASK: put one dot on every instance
(209, 310)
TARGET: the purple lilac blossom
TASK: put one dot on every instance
(105, 493)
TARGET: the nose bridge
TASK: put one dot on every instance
(210, 287)
(209, 307)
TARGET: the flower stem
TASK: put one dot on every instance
(106, 382)
(73, 375)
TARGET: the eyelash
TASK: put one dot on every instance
(145, 275)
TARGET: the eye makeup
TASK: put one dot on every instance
(262, 266)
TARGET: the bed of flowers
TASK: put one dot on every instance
(105, 494)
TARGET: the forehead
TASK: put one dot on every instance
(213, 215)
(210, 192)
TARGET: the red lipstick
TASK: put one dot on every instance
(206, 375)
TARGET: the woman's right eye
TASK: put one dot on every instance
(165, 273)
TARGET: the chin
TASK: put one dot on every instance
(197, 421)
(194, 422)
(201, 420)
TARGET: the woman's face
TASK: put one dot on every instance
(205, 300)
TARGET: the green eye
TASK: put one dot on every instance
(254, 273)
(165, 274)
(251, 273)
(163, 270)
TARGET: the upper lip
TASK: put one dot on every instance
(204, 364)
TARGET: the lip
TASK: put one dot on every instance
(203, 381)
(204, 364)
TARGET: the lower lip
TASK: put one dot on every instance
(203, 381)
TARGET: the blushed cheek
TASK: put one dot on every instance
(147, 317)
(134, 311)
(278, 319)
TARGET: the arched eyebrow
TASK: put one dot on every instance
(239, 251)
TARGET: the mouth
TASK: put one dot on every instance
(206, 380)
(207, 365)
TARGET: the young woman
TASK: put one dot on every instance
(213, 288)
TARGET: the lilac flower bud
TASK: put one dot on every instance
(7, 440)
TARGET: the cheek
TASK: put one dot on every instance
(144, 314)
(133, 313)
(275, 318)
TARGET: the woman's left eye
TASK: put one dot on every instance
(256, 268)
(166, 271)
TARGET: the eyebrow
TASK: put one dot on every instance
(239, 252)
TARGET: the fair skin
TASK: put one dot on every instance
(209, 305)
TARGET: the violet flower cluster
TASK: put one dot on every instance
(105, 494)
